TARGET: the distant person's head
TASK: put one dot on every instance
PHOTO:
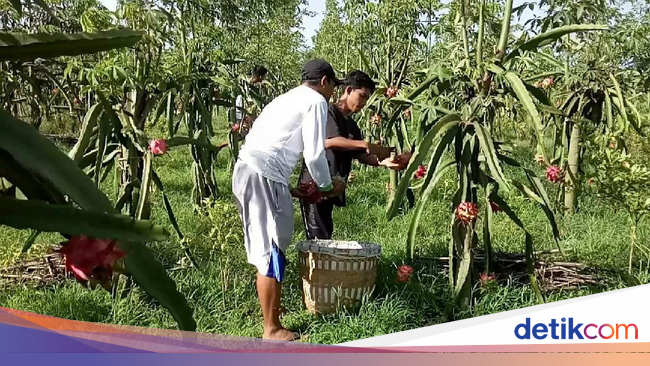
(358, 89)
(319, 75)
(258, 74)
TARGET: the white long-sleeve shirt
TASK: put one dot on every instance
(239, 105)
(293, 123)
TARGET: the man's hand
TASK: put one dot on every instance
(404, 158)
(339, 186)
(392, 163)
(295, 193)
(379, 151)
(398, 162)
(307, 192)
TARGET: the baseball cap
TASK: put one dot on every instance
(317, 68)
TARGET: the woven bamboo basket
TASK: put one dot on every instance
(336, 274)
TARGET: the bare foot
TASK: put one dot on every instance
(280, 335)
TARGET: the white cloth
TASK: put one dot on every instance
(239, 103)
(266, 210)
(293, 123)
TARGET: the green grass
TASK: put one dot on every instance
(222, 292)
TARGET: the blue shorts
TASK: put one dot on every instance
(277, 264)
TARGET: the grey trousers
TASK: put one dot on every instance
(266, 210)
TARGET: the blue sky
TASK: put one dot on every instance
(109, 3)
(312, 24)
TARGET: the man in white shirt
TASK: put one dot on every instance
(292, 124)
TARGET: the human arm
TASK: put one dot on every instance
(341, 143)
(398, 162)
(367, 159)
(295, 192)
(393, 163)
(313, 137)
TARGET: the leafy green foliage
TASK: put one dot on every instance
(28, 47)
(470, 64)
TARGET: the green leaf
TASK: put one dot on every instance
(543, 75)
(168, 207)
(24, 47)
(570, 104)
(160, 109)
(91, 157)
(550, 37)
(619, 95)
(149, 274)
(537, 185)
(364, 60)
(41, 216)
(233, 61)
(529, 192)
(30, 241)
(423, 86)
(172, 218)
(466, 161)
(530, 267)
(41, 156)
(145, 190)
(545, 103)
(487, 147)
(636, 120)
(431, 180)
(126, 195)
(411, 96)
(180, 141)
(464, 268)
(442, 110)
(29, 184)
(206, 117)
(169, 114)
(608, 111)
(43, 5)
(404, 132)
(541, 197)
(487, 231)
(56, 82)
(530, 261)
(551, 59)
(495, 69)
(508, 160)
(503, 205)
(18, 6)
(505, 27)
(440, 87)
(102, 142)
(112, 116)
(442, 127)
(524, 97)
(481, 34)
(400, 101)
(550, 109)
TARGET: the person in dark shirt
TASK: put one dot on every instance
(344, 143)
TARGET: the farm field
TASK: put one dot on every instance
(526, 180)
